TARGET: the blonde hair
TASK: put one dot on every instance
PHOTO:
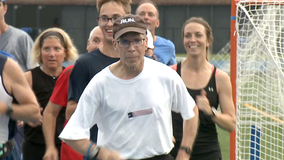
(65, 41)
(126, 4)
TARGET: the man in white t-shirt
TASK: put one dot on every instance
(131, 102)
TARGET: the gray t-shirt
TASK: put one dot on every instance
(19, 44)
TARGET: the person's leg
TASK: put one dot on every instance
(9, 157)
(16, 152)
(19, 138)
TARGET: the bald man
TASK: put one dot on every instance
(95, 39)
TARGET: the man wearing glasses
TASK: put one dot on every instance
(131, 102)
(90, 64)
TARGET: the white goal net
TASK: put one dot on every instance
(260, 80)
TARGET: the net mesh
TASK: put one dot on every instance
(260, 79)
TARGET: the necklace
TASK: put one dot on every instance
(53, 77)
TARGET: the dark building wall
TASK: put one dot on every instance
(78, 20)
(134, 2)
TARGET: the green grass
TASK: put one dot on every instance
(216, 57)
(224, 139)
(181, 55)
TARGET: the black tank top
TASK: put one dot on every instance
(207, 137)
(43, 85)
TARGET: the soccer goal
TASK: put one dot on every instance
(257, 74)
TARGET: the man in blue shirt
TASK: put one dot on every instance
(164, 48)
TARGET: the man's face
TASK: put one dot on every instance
(131, 47)
(3, 10)
(109, 10)
(150, 15)
(96, 40)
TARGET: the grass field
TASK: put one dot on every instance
(224, 138)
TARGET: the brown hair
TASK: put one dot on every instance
(126, 4)
(208, 31)
(151, 2)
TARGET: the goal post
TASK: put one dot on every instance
(233, 73)
(257, 75)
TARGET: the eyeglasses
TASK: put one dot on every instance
(103, 20)
(126, 43)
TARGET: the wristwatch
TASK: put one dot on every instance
(214, 111)
(94, 152)
(186, 149)
(9, 111)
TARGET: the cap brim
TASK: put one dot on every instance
(129, 29)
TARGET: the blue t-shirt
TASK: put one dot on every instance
(165, 51)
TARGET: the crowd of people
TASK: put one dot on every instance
(127, 98)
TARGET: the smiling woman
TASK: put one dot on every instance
(210, 88)
(51, 49)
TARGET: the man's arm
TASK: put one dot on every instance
(49, 123)
(190, 128)
(15, 82)
(82, 146)
(78, 127)
(70, 108)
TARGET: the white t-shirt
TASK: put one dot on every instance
(111, 102)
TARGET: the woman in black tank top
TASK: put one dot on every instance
(209, 87)
(51, 49)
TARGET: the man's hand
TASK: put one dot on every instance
(38, 122)
(35, 124)
(20, 124)
(51, 154)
